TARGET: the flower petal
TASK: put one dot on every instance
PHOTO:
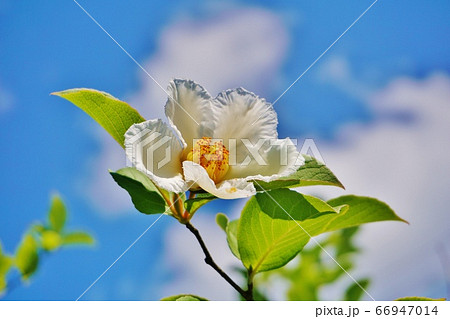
(188, 109)
(155, 150)
(240, 114)
(229, 189)
(279, 158)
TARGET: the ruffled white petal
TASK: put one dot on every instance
(279, 159)
(155, 150)
(240, 114)
(188, 109)
(196, 175)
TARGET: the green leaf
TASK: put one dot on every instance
(112, 114)
(2, 284)
(77, 238)
(419, 299)
(27, 257)
(38, 228)
(57, 214)
(193, 204)
(354, 291)
(230, 229)
(51, 240)
(311, 173)
(361, 210)
(309, 275)
(343, 240)
(5, 265)
(5, 262)
(267, 236)
(222, 221)
(144, 194)
(312, 272)
(184, 298)
(276, 225)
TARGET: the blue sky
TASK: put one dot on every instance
(47, 144)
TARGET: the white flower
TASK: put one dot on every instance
(212, 143)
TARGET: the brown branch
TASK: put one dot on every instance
(247, 294)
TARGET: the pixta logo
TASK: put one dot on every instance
(154, 150)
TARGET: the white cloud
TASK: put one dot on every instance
(406, 164)
(242, 47)
(336, 71)
(239, 47)
(6, 100)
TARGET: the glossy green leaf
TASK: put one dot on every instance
(419, 299)
(57, 214)
(193, 204)
(113, 115)
(270, 236)
(311, 173)
(354, 291)
(27, 257)
(77, 238)
(276, 225)
(51, 240)
(184, 298)
(361, 210)
(144, 194)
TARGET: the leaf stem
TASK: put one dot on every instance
(247, 294)
(250, 275)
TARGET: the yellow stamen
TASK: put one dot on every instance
(232, 190)
(212, 155)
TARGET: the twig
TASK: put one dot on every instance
(247, 294)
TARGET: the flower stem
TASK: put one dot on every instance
(181, 212)
(247, 294)
(167, 199)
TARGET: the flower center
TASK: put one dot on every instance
(212, 155)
